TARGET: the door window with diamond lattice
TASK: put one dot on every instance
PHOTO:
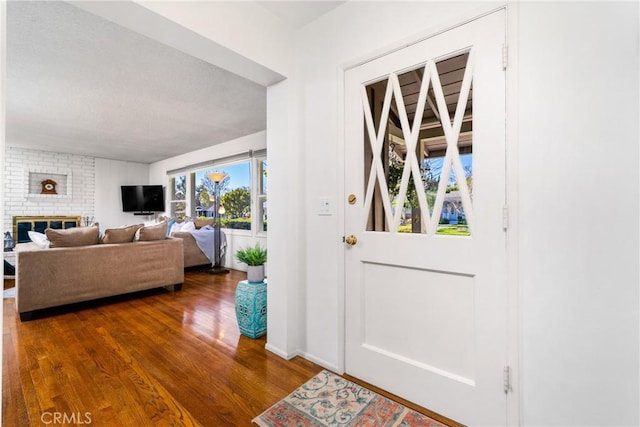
(419, 150)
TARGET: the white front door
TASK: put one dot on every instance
(425, 275)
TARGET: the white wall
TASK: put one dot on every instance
(235, 238)
(110, 175)
(158, 170)
(578, 142)
(578, 274)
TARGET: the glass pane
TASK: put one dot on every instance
(451, 72)
(262, 177)
(396, 162)
(431, 169)
(411, 84)
(467, 166)
(410, 218)
(376, 92)
(193, 201)
(178, 187)
(452, 219)
(263, 215)
(178, 210)
(397, 155)
(233, 192)
(262, 199)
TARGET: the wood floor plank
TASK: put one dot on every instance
(14, 405)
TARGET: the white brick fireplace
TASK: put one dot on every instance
(24, 169)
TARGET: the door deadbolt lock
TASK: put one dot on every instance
(352, 199)
(351, 240)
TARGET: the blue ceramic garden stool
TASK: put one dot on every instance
(251, 308)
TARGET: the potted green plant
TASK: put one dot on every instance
(255, 257)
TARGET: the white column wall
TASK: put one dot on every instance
(578, 160)
(286, 283)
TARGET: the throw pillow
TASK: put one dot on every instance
(76, 236)
(153, 232)
(199, 223)
(176, 227)
(170, 223)
(120, 235)
(188, 227)
(39, 239)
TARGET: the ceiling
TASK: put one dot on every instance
(299, 13)
(77, 83)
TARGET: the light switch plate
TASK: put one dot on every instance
(324, 206)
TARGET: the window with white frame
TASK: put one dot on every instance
(261, 203)
(178, 196)
(242, 192)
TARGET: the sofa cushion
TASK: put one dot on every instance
(153, 232)
(76, 236)
(120, 234)
(199, 223)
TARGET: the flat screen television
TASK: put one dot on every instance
(142, 199)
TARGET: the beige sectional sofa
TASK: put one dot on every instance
(193, 256)
(64, 275)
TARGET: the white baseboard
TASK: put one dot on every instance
(281, 353)
(310, 357)
(330, 366)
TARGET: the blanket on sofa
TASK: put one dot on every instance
(205, 239)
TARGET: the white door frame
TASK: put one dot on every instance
(511, 180)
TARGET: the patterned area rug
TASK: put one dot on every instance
(330, 400)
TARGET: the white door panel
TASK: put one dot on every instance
(426, 281)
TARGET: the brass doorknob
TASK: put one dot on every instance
(351, 240)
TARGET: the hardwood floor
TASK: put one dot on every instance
(156, 358)
(162, 358)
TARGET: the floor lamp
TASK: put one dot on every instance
(217, 267)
